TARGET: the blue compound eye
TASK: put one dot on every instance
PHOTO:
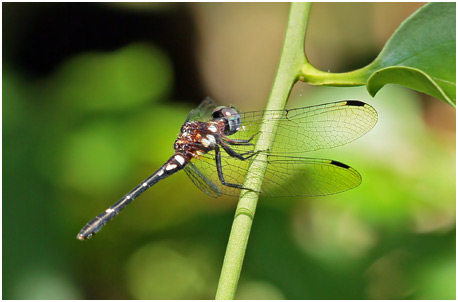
(231, 118)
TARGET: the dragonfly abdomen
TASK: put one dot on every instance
(175, 163)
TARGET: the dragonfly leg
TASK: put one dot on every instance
(243, 142)
(251, 153)
(219, 169)
(241, 156)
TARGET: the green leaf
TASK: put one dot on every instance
(420, 55)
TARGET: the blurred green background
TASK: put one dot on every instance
(93, 98)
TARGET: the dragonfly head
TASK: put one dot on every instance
(230, 117)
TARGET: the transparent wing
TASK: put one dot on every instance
(311, 128)
(299, 130)
(285, 176)
(203, 112)
(201, 181)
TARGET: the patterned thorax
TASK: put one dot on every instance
(198, 138)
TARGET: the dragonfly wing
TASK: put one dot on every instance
(201, 181)
(299, 130)
(234, 171)
(312, 128)
(203, 112)
(285, 176)
(300, 176)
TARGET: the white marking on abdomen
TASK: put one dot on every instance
(160, 172)
(180, 159)
(110, 210)
(170, 167)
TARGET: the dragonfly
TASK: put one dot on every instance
(216, 145)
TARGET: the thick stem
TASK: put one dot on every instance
(289, 69)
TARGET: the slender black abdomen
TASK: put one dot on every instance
(174, 164)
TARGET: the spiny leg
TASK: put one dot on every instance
(243, 142)
(233, 153)
(219, 169)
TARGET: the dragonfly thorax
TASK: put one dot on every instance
(230, 117)
(197, 138)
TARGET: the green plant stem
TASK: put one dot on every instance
(291, 61)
